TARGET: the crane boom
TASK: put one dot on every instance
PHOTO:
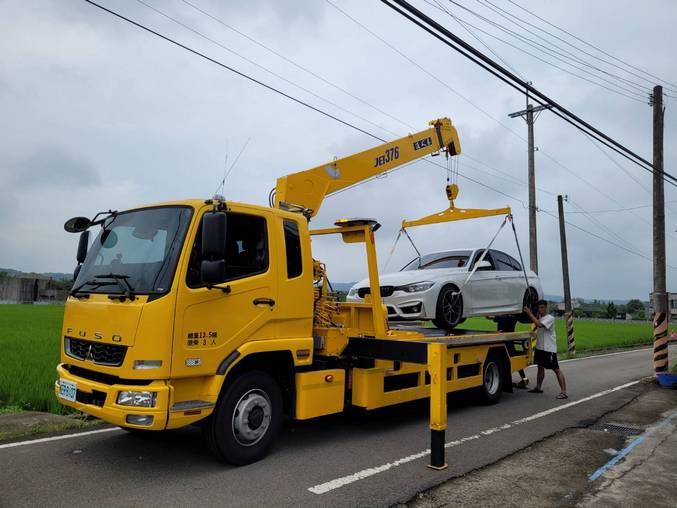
(307, 189)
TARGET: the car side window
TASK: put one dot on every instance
(488, 257)
(515, 264)
(292, 244)
(246, 249)
(502, 260)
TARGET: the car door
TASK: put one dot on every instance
(211, 323)
(509, 282)
(482, 286)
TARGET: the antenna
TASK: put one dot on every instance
(225, 165)
(236, 159)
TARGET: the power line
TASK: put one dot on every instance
(425, 71)
(252, 62)
(233, 70)
(639, 96)
(295, 64)
(576, 226)
(443, 34)
(674, 87)
(478, 108)
(521, 24)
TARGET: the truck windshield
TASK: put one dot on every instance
(139, 248)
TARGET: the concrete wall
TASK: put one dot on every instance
(27, 290)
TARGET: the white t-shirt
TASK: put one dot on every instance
(547, 340)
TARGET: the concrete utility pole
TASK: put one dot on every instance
(528, 115)
(660, 297)
(568, 308)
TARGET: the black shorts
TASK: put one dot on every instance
(546, 359)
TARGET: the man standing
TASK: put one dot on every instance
(545, 355)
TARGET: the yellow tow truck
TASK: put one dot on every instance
(215, 313)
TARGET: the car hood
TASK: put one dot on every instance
(412, 276)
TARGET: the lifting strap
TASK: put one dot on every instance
(519, 251)
(484, 254)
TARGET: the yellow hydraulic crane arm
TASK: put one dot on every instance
(307, 189)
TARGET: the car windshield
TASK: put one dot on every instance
(451, 259)
(137, 250)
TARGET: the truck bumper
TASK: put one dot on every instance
(100, 400)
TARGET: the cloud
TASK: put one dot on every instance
(51, 167)
(99, 115)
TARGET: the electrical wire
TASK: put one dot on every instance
(523, 25)
(672, 86)
(252, 62)
(232, 69)
(444, 35)
(296, 64)
(630, 93)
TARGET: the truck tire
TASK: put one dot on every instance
(246, 420)
(492, 380)
(449, 310)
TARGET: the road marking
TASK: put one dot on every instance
(323, 488)
(57, 438)
(594, 476)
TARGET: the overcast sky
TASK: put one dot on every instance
(98, 114)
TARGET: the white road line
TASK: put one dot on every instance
(57, 438)
(323, 488)
(647, 348)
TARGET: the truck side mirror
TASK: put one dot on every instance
(213, 266)
(82, 246)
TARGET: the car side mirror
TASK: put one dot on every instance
(213, 266)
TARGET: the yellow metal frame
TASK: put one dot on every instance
(364, 233)
(453, 213)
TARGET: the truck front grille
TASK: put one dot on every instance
(97, 352)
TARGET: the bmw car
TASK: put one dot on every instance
(436, 287)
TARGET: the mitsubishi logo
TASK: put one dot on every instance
(89, 356)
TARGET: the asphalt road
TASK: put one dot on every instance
(377, 459)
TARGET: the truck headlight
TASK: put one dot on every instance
(138, 399)
(416, 287)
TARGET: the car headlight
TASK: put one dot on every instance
(416, 287)
(139, 399)
(352, 292)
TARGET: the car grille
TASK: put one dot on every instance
(100, 353)
(385, 291)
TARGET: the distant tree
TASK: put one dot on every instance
(634, 306)
(611, 310)
(4, 275)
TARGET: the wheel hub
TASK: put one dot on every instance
(491, 378)
(251, 418)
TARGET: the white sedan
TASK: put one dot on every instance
(434, 287)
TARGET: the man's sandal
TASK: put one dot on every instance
(562, 396)
(535, 390)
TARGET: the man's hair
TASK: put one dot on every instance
(542, 302)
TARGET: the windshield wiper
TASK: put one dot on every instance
(122, 282)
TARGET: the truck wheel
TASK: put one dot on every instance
(246, 420)
(449, 311)
(492, 380)
(529, 300)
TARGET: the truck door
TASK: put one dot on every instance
(211, 323)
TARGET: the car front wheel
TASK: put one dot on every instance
(449, 311)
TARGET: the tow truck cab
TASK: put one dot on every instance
(156, 319)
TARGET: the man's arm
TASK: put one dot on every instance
(533, 318)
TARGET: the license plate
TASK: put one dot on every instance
(67, 390)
